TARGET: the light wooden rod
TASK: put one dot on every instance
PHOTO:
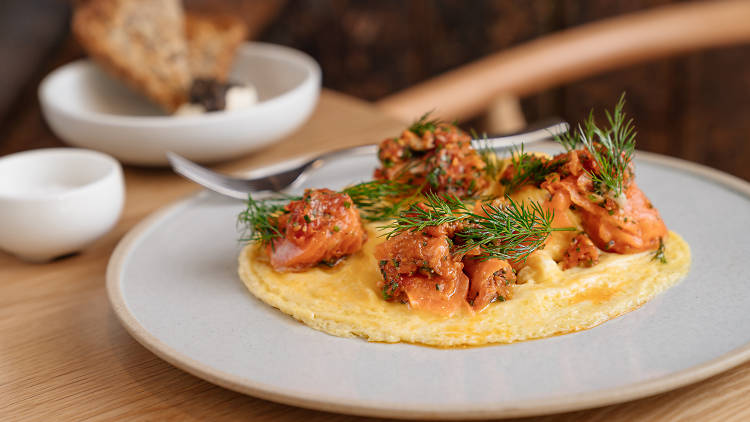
(575, 54)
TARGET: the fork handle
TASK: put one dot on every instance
(535, 132)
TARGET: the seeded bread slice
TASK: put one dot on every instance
(141, 42)
(212, 43)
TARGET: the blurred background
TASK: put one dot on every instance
(693, 106)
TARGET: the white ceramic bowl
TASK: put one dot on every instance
(56, 201)
(87, 108)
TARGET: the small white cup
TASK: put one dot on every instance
(57, 201)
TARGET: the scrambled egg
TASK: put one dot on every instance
(345, 301)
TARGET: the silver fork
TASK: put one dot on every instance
(239, 188)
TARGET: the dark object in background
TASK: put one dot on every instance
(372, 48)
(31, 30)
(209, 93)
(693, 106)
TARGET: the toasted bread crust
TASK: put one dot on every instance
(141, 42)
(212, 43)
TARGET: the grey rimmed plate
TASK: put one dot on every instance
(173, 283)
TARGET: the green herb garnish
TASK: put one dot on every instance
(433, 177)
(509, 231)
(529, 169)
(569, 140)
(389, 289)
(379, 200)
(424, 124)
(611, 148)
(261, 219)
(659, 253)
(376, 200)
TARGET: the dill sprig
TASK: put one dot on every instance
(260, 220)
(376, 201)
(379, 200)
(424, 124)
(529, 169)
(659, 253)
(511, 231)
(434, 211)
(617, 147)
(569, 140)
(611, 148)
(508, 231)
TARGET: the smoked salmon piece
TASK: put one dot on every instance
(580, 253)
(628, 227)
(441, 160)
(418, 268)
(322, 227)
(490, 280)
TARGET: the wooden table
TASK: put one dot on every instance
(64, 355)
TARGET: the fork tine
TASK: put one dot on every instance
(203, 176)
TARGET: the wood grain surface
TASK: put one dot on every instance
(64, 355)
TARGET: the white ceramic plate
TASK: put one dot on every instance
(172, 282)
(87, 108)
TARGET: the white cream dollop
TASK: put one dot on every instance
(240, 96)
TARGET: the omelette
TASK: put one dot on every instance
(452, 246)
(345, 300)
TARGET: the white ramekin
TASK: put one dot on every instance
(56, 201)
